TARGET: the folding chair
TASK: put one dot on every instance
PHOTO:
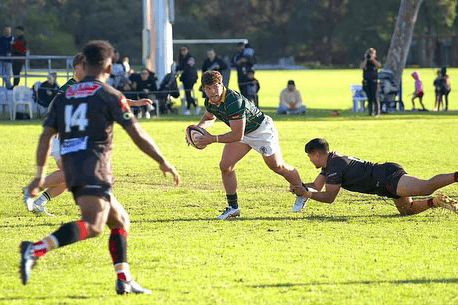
(358, 97)
(22, 95)
(4, 101)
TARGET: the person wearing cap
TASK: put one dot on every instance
(291, 100)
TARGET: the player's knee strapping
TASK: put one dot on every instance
(118, 245)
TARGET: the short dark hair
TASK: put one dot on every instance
(240, 44)
(78, 59)
(20, 28)
(211, 77)
(317, 144)
(97, 52)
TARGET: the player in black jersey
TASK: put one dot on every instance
(387, 179)
(83, 117)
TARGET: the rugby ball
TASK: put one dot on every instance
(192, 132)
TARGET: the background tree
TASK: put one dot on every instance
(402, 37)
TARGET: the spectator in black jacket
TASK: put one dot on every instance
(213, 62)
(19, 48)
(252, 88)
(5, 50)
(370, 65)
(186, 64)
(243, 61)
(48, 90)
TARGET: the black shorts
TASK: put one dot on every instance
(99, 190)
(388, 180)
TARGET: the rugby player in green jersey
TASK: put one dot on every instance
(250, 128)
(54, 183)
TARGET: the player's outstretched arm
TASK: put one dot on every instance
(149, 147)
(43, 151)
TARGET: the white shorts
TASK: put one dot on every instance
(55, 150)
(264, 139)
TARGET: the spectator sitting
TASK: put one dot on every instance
(125, 86)
(252, 88)
(290, 100)
(117, 72)
(48, 90)
(146, 88)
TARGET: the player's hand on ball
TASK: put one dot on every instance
(168, 168)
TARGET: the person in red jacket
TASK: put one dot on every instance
(19, 48)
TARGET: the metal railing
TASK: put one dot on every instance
(27, 72)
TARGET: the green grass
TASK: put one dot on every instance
(354, 251)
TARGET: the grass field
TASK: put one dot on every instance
(354, 251)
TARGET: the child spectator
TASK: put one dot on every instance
(418, 91)
(438, 91)
(252, 88)
(446, 86)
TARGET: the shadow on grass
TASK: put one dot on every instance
(395, 282)
(280, 218)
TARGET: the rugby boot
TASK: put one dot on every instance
(28, 261)
(300, 203)
(445, 202)
(39, 207)
(124, 287)
(229, 212)
(28, 200)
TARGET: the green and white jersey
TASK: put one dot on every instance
(64, 88)
(235, 106)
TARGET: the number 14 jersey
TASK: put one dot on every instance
(83, 117)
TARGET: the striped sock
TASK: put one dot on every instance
(232, 200)
(43, 246)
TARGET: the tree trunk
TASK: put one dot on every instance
(402, 37)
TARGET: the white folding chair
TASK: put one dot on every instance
(358, 97)
(5, 101)
(22, 95)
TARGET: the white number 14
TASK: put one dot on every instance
(77, 118)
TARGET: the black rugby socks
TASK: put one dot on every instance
(232, 200)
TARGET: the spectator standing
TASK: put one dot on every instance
(446, 86)
(291, 100)
(19, 48)
(370, 65)
(126, 65)
(213, 62)
(418, 93)
(243, 61)
(147, 88)
(5, 50)
(252, 88)
(438, 92)
(226, 73)
(186, 64)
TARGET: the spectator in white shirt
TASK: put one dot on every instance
(291, 100)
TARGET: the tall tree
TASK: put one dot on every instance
(402, 37)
